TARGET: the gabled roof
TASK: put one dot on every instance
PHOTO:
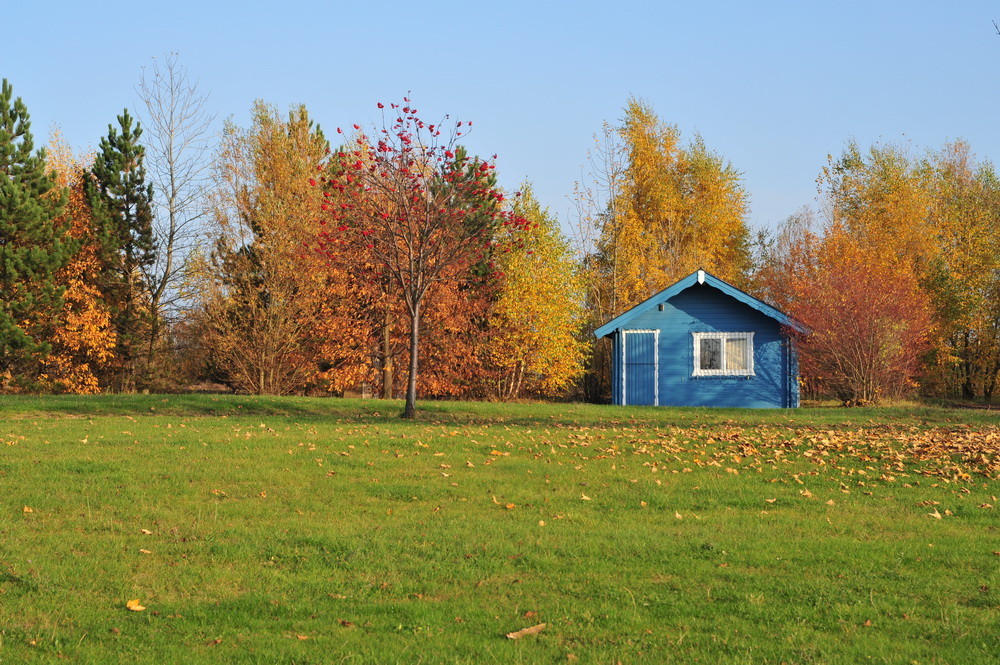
(698, 277)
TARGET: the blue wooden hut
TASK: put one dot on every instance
(703, 342)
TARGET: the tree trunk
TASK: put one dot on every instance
(968, 387)
(410, 410)
(386, 360)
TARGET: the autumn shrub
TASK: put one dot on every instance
(869, 321)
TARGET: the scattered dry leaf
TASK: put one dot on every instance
(524, 632)
(134, 605)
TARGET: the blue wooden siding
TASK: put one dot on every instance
(703, 308)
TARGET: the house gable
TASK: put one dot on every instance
(699, 277)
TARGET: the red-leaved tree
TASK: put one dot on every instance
(869, 319)
(416, 208)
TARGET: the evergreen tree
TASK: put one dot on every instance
(123, 213)
(32, 246)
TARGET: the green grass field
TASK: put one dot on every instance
(267, 530)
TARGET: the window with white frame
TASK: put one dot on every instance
(723, 354)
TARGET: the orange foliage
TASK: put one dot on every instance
(869, 319)
(83, 339)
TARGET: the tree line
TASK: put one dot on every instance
(387, 260)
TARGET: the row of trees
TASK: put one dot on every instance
(899, 276)
(390, 260)
(333, 268)
(74, 243)
(91, 255)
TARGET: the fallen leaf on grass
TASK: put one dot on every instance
(770, 500)
(134, 605)
(830, 502)
(584, 497)
(28, 510)
(146, 532)
(302, 637)
(524, 632)
(936, 515)
(142, 551)
(345, 623)
(212, 643)
(510, 506)
(678, 515)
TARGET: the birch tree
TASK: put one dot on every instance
(179, 133)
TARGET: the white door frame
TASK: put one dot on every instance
(656, 366)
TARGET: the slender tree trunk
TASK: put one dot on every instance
(386, 360)
(410, 410)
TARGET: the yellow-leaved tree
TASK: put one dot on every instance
(658, 210)
(538, 313)
(883, 201)
(680, 208)
(964, 277)
(273, 315)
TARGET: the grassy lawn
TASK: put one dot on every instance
(267, 530)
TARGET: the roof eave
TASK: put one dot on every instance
(699, 277)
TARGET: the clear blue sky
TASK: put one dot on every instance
(772, 86)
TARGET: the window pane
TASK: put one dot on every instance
(711, 354)
(736, 354)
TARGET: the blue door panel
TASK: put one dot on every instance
(640, 368)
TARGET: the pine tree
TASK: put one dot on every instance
(32, 246)
(123, 212)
